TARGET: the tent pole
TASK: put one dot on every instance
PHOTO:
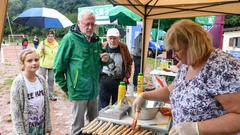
(156, 53)
(143, 42)
(10, 27)
(4, 5)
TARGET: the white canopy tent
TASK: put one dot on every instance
(160, 9)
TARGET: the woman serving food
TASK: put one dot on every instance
(205, 94)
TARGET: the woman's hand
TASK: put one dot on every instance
(43, 47)
(185, 128)
(137, 103)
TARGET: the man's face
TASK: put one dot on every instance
(114, 41)
(87, 24)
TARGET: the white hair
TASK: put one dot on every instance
(84, 12)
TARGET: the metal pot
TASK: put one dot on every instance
(149, 110)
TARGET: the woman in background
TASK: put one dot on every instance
(47, 51)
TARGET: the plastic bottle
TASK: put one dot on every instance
(121, 93)
(140, 83)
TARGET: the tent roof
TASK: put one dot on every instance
(160, 9)
(157, 9)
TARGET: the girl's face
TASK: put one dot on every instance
(31, 63)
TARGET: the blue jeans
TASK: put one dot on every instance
(35, 46)
(137, 64)
(24, 47)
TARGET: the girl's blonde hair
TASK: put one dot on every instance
(188, 35)
(23, 55)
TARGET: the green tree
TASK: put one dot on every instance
(35, 4)
(232, 21)
(14, 8)
(66, 6)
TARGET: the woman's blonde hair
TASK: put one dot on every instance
(23, 55)
(186, 34)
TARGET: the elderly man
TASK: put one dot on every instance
(118, 68)
(76, 69)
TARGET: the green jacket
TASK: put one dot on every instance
(77, 65)
(47, 55)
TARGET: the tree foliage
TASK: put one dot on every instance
(231, 21)
(14, 7)
(34, 4)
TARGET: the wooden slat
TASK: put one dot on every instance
(3, 7)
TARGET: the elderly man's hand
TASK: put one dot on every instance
(185, 128)
(104, 57)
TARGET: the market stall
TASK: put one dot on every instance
(155, 9)
(154, 118)
(159, 125)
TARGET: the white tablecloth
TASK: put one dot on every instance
(162, 73)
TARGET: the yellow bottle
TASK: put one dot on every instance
(121, 93)
(140, 84)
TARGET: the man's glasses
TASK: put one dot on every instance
(89, 24)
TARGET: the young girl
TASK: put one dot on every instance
(29, 99)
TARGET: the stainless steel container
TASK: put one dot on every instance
(149, 110)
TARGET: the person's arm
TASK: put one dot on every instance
(228, 123)
(16, 112)
(40, 51)
(128, 60)
(104, 56)
(61, 63)
(158, 94)
(47, 107)
(138, 44)
(228, 96)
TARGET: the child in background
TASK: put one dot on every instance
(24, 42)
(29, 99)
(36, 41)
